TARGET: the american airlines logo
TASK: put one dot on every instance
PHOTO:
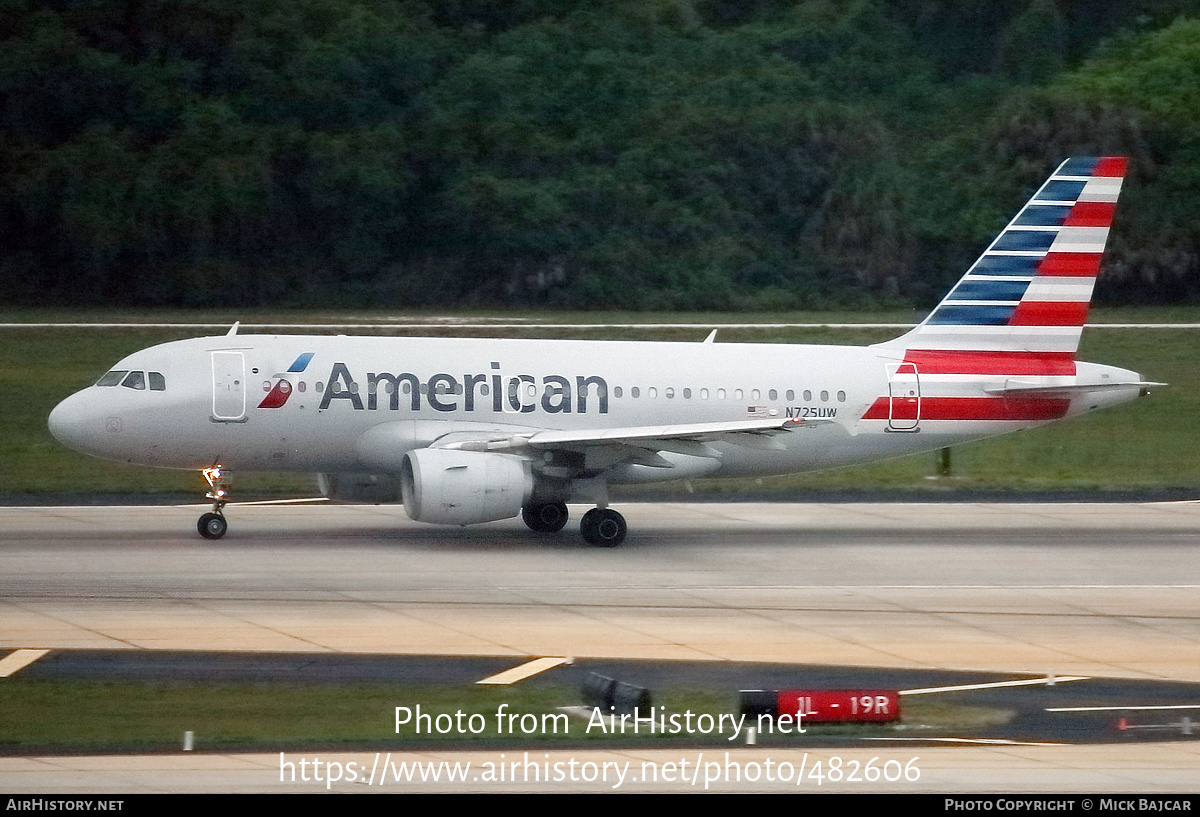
(279, 393)
(496, 392)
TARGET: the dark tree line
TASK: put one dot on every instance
(641, 154)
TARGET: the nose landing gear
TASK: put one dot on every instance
(213, 525)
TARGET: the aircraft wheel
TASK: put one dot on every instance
(548, 518)
(603, 527)
(212, 526)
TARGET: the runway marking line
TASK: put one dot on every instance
(1118, 708)
(1028, 682)
(979, 741)
(18, 660)
(520, 673)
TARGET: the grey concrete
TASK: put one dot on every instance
(1066, 589)
(1091, 589)
(1153, 768)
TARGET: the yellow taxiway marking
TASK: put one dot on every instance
(18, 660)
(511, 676)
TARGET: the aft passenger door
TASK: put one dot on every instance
(229, 387)
(904, 409)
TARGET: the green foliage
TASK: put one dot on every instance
(1032, 46)
(1138, 97)
(662, 154)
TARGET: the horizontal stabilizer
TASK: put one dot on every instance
(1032, 390)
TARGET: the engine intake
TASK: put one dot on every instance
(452, 487)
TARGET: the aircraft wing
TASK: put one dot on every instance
(687, 438)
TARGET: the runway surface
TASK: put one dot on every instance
(1088, 589)
(1063, 588)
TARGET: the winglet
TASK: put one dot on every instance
(711, 336)
(233, 329)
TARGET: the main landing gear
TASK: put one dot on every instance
(548, 518)
(213, 525)
(601, 527)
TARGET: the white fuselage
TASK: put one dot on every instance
(357, 404)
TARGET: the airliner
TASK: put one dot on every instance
(465, 431)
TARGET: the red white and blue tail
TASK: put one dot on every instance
(1029, 291)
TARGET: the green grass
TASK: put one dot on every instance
(1149, 445)
(83, 716)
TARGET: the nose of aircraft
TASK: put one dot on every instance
(68, 422)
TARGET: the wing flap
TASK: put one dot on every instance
(686, 438)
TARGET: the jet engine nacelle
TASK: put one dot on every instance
(373, 489)
(452, 487)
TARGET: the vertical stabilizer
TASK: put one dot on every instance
(1029, 291)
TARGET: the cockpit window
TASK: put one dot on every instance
(112, 378)
(134, 380)
(157, 382)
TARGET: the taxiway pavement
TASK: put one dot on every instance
(1099, 589)
(1088, 589)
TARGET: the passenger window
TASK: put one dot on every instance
(791, 395)
(157, 382)
(617, 392)
(841, 397)
(112, 378)
(134, 380)
(772, 394)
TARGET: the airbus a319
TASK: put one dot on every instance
(465, 431)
